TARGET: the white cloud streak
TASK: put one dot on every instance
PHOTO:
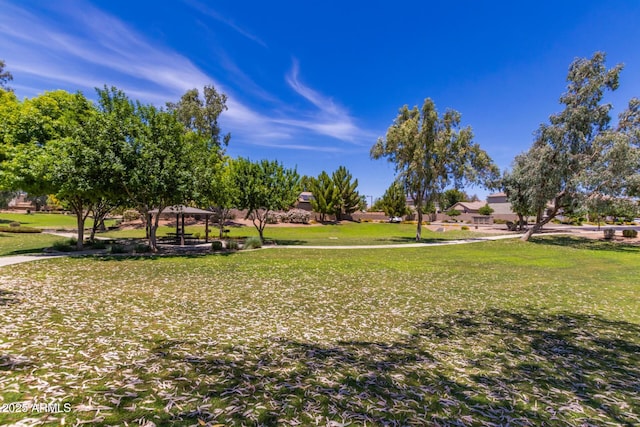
(101, 49)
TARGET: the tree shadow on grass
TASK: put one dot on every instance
(466, 368)
(286, 242)
(405, 239)
(7, 297)
(585, 243)
(154, 257)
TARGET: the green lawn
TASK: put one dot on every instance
(45, 220)
(25, 243)
(543, 333)
(325, 235)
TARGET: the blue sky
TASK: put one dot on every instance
(313, 84)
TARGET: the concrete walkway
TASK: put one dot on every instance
(18, 259)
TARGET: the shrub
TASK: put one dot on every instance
(216, 245)
(630, 233)
(273, 218)
(67, 245)
(499, 221)
(486, 210)
(130, 215)
(252, 243)
(117, 249)
(297, 216)
(609, 233)
(14, 224)
(464, 227)
(10, 229)
(141, 248)
(97, 244)
(232, 245)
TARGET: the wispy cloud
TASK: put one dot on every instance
(83, 47)
(228, 22)
(326, 105)
(329, 118)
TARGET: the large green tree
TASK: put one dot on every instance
(452, 196)
(431, 152)
(52, 151)
(223, 194)
(152, 156)
(199, 115)
(325, 194)
(264, 187)
(347, 199)
(394, 200)
(577, 153)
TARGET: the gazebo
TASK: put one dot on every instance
(180, 211)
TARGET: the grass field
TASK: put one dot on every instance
(325, 235)
(25, 243)
(543, 333)
(44, 220)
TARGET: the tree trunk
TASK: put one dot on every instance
(77, 207)
(419, 228)
(80, 221)
(153, 241)
(538, 226)
(520, 222)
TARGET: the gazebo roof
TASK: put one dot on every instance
(181, 209)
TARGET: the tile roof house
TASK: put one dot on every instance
(467, 207)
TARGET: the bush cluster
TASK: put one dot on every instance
(216, 245)
(131, 215)
(252, 243)
(296, 216)
(117, 249)
(67, 245)
(630, 233)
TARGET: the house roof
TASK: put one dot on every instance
(472, 206)
(181, 209)
(305, 196)
(497, 195)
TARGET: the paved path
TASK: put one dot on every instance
(18, 259)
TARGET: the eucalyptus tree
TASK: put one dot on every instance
(264, 187)
(5, 77)
(431, 152)
(574, 155)
(515, 185)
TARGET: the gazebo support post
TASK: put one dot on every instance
(182, 234)
(177, 228)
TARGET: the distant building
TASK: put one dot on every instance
(468, 207)
(500, 205)
(304, 201)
